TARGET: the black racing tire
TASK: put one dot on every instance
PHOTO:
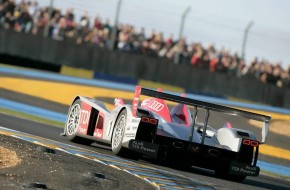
(72, 123)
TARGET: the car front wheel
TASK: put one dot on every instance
(72, 124)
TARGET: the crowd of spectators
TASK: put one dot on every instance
(29, 17)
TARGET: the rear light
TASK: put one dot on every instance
(149, 120)
(153, 121)
(145, 119)
(254, 143)
(246, 142)
(250, 142)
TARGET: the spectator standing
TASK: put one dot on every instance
(98, 24)
(23, 23)
(40, 20)
(196, 59)
(59, 30)
(234, 65)
(83, 29)
(166, 46)
(124, 38)
(33, 8)
(10, 6)
(70, 23)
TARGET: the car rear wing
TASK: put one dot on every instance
(204, 105)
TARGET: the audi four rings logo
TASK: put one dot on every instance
(153, 104)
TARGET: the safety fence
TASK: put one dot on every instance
(89, 61)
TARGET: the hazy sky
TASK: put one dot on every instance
(221, 22)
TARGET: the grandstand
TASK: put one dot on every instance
(76, 24)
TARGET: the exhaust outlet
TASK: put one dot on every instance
(178, 144)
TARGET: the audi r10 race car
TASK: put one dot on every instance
(151, 130)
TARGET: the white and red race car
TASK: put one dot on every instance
(151, 130)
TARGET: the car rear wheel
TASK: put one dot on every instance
(72, 124)
(118, 134)
(117, 138)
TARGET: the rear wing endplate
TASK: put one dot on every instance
(204, 105)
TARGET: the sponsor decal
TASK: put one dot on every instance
(98, 133)
(130, 135)
(195, 149)
(133, 124)
(135, 120)
(82, 130)
(134, 128)
(158, 106)
(243, 169)
(153, 104)
(144, 148)
(85, 117)
(85, 114)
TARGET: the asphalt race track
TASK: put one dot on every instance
(51, 132)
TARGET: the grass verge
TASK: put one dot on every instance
(31, 117)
